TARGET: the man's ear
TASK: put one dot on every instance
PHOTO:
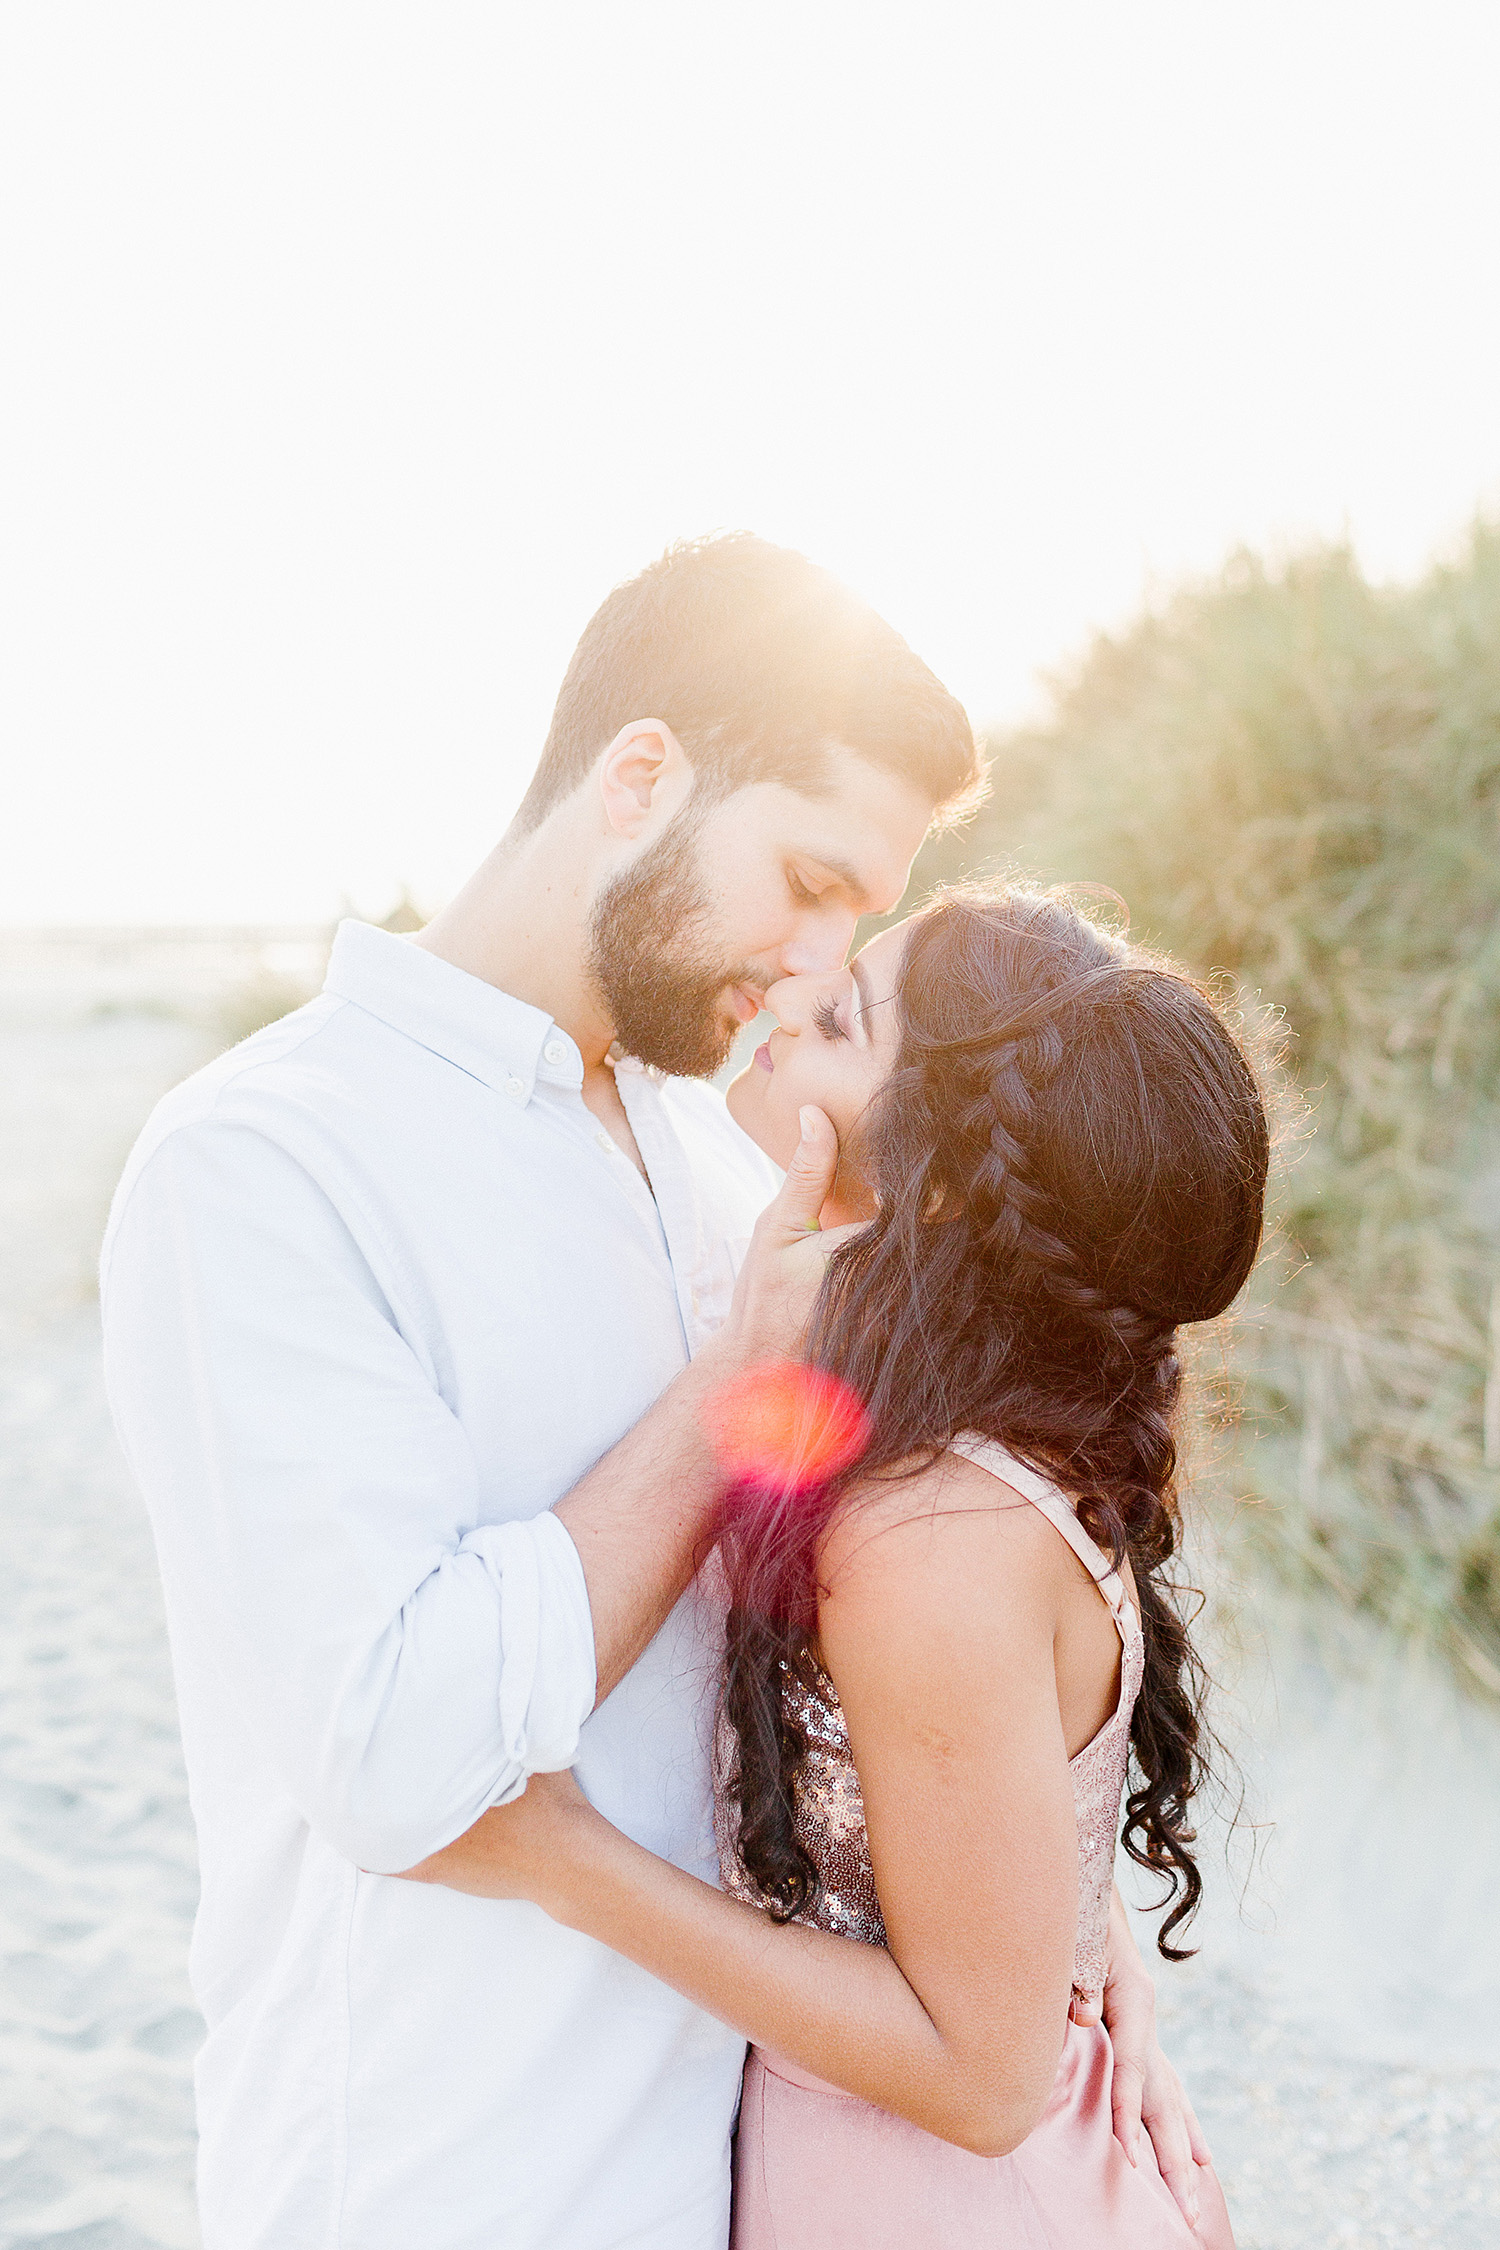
(644, 771)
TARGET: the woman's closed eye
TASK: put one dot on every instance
(825, 1016)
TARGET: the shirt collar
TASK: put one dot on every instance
(505, 1043)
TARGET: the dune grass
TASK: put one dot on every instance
(1293, 779)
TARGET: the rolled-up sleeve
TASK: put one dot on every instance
(316, 1506)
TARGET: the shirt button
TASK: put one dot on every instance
(516, 1088)
(555, 1052)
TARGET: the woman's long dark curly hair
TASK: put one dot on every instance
(1068, 1163)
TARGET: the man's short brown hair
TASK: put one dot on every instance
(761, 663)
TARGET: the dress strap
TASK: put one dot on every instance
(988, 1453)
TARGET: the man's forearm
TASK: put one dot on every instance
(1124, 1954)
(640, 1518)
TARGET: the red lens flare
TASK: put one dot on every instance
(784, 1425)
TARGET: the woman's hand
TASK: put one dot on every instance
(527, 1849)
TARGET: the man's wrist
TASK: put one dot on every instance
(1128, 1973)
(1127, 1978)
(723, 1354)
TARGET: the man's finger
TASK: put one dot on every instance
(828, 1239)
(809, 1177)
(1126, 2089)
(1181, 2176)
(1202, 2154)
(1174, 2158)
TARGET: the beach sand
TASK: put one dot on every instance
(1339, 2032)
(99, 1877)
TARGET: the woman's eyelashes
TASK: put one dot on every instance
(825, 1016)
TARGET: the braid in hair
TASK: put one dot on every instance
(1067, 1162)
(1132, 1511)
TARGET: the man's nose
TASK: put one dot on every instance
(819, 946)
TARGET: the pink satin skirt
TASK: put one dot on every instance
(816, 2169)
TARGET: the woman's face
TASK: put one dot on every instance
(836, 1037)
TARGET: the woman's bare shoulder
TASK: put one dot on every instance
(938, 1608)
(928, 1521)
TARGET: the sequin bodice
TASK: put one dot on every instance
(830, 1808)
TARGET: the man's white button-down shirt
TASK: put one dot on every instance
(377, 1291)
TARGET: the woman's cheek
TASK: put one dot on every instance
(788, 1103)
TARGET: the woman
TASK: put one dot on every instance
(942, 1653)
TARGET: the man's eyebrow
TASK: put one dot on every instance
(842, 872)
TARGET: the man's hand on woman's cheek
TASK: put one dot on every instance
(783, 1270)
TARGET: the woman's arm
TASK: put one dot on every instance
(839, 2009)
(938, 1630)
(553, 1829)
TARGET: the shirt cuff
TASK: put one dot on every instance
(547, 1674)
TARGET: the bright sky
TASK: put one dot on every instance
(352, 353)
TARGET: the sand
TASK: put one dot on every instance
(97, 1866)
(1339, 2029)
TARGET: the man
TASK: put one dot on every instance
(411, 1303)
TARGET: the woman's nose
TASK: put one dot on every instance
(789, 999)
(780, 999)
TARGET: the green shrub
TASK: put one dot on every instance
(1293, 777)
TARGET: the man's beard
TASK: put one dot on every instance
(665, 996)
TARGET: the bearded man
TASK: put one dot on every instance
(411, 1303)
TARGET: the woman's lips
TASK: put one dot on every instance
(763, 1057)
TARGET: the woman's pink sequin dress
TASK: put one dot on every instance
(817, 2169)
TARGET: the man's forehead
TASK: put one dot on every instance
(855, 785)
